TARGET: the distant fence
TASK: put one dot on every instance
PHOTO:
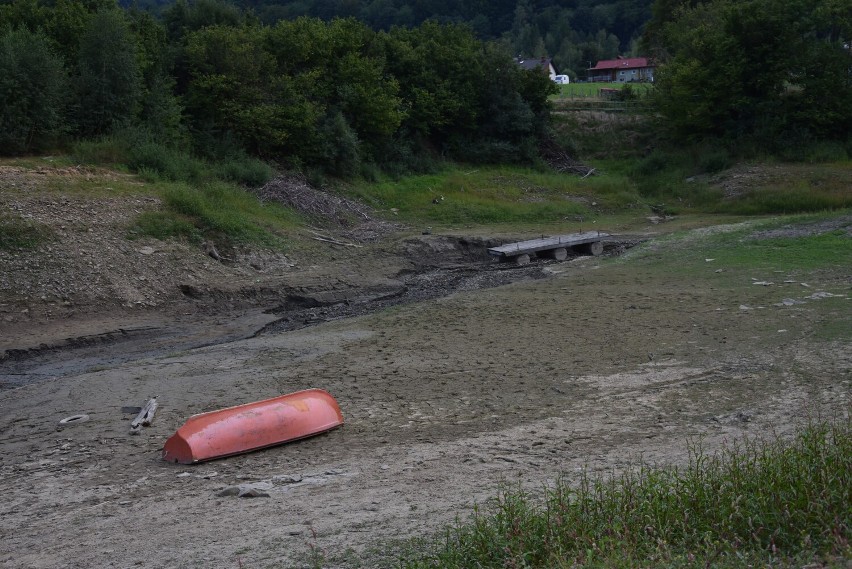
(597, 105)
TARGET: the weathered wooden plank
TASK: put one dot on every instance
(145, 417)
(547, 243)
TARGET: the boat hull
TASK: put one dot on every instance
(253, 426)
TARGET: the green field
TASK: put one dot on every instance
(592, 90)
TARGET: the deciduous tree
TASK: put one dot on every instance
(773, 71)
(33, 87)
(108, 84)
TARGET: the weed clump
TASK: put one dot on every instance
(17, 233)
(756, 502)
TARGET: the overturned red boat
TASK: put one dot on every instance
(253, 426)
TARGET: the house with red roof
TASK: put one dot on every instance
(623, 70)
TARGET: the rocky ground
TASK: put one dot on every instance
(454, 376)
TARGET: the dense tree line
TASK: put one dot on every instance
(575, 33)
(210, 78)
(776, 74)
(331, 95)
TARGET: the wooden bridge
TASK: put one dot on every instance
(590, 243)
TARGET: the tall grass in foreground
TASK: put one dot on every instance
(757, 503)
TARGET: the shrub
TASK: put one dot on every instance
(244, 170)
(785, 201)
(714, 160)
(169, 163)
(110, 149)
(652, 164)
(826, 151)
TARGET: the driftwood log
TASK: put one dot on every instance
(145, 417)
(327, 239)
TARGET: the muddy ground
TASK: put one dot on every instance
(485, 376)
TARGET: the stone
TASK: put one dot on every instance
(244, 491)
(821, 295)
(252, 492)
(286, 478)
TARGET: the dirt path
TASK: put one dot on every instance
(444, 399)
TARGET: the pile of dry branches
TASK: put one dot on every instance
(327, 210)
(324, 208)
(559, 160)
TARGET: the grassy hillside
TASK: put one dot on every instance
(202, 201)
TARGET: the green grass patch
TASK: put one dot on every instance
(671, 180)
(789, 253)
(496, 195)
(794, 244)
(801, 197)
(101, 184)
(218, 210)
(699, 180)
(201, 198)
(17, 233)
(836, 330)
(36, 162)
(165, 225)
(756, 503)
(155, 162)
